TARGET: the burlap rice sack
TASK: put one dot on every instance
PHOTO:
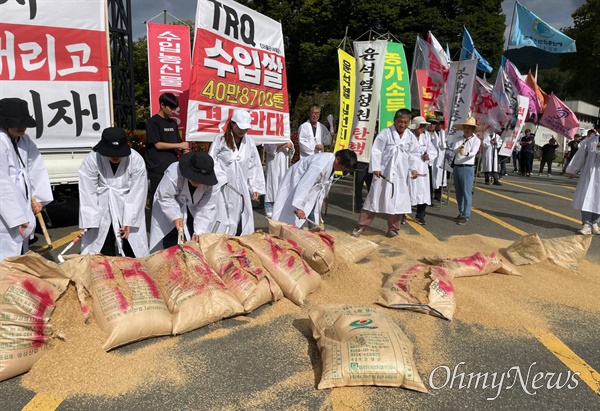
(124, 298)
(353, 249)
(316, 244)
(569, 251)
(284, 262)
(420, 287)
(29, 288)
(194, 293)
(528, 250)
(473, 265)
(362, 346)
(240, 269)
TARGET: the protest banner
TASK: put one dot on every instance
(58, 63)
(511, 134)
(560, 118)
(238, 62)
(370, 60)
(169, 66)
(395, 85)
(347, 65)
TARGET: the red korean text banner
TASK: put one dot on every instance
(238, 62)
(58, 63)
(170, 66)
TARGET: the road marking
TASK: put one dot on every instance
(575, 363)
(538, 191)
(43, 402)
(539, 208)
(420, 229)
(495, 220)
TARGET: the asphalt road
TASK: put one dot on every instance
(250, 366)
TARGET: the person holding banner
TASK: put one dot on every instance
(278, 158)
(306, 184)
(184, 201)
(24, 181)
(490, 163)
(312, 135)
(465, 147)
(439, 176)
(420, 187)
(112, 195)
(393, 161)
(240, 175)
(586, 162)
(163, 141)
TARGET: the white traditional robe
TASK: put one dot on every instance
(20, 180)
(242, 170)
(587, 162)
(172, 200)
(304, 187)
(394, 157)
(307, 140)
(108, 199)
(489, 159)
(277, 164)
(438, 173)
(420, 187)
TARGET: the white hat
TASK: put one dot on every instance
(242, 119)
(418, 121)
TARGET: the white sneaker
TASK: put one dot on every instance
(586, 229)
(595, 229)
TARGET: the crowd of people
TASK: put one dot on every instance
(192, 193)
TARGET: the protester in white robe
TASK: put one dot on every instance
(306, 184)
(489, 160)
(184, 201)
(240, 174)
(278, 157)
(393, 162)
(113, 187)
(23, 178)
(438, 172)
(586, 162)
(420, 187)
(313, 135)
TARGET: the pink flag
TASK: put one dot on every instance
(559, 117)
(523, 88)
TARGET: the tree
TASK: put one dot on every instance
(584, 65)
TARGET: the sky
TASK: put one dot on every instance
(556, 13)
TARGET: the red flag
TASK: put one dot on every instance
(560, 118)
(170, 67)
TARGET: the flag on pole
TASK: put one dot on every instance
(560, 118)
(443, 58)
(540, 94)
(505, 94)
(468, 51)
(523, 88)
(530, 30)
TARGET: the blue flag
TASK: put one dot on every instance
(468, 50)
(530, 30)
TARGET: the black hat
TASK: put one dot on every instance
(14, 113)
(113, 143)
(198, 167)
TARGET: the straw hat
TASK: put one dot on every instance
(417, 121)
(469, 122)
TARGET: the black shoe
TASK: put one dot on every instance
(497, 183)
(462, 221)
(421, 221)
(391, 233)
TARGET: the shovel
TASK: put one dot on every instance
(42, 223)
(60, 257)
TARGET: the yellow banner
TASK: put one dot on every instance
(347, 91)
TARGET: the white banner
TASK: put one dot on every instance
(461, 82)
(370, 61)
(238, 62)
(510, 135)
(57, 61)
